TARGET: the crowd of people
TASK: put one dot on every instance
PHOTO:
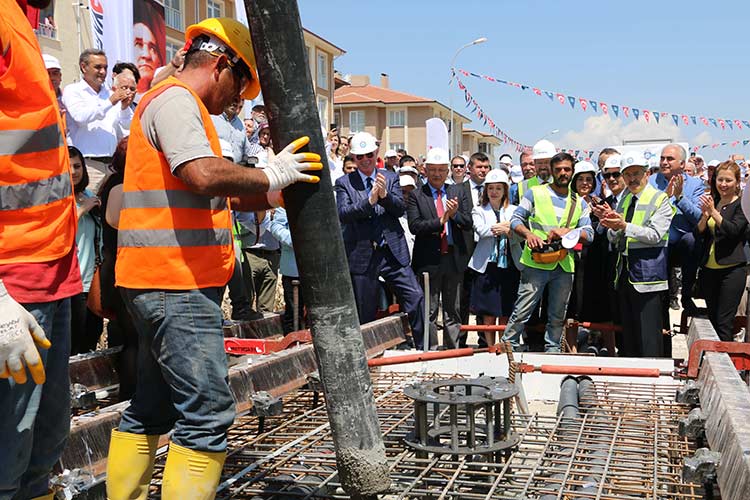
(171, 197)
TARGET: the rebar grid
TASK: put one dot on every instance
(625, 445)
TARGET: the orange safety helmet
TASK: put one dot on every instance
(237, 38)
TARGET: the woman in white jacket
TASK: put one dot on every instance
(496, 255)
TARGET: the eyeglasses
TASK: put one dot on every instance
(612, 175)
(369, 155)
(458, 165)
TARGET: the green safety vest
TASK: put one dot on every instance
(527, 184)
(647, 263)
(544, 220)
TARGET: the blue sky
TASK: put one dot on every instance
(681, 57)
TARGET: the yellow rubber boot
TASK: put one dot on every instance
(130, 464)
(191, 475)
(48, 496)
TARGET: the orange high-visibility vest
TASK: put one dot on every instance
(170, 238)
(37, 208)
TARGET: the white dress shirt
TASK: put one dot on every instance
(95, 125)
(475, 199)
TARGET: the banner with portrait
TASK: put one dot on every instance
(131, 31)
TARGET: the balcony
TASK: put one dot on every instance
(46, 31)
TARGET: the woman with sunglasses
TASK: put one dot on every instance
(457, 174)
(587, 300)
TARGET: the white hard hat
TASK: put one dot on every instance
(543, 150)
(390, 154)
(408, 170)
(363, 143)
(516, 174)
(632, 160)
(613, 161)
(495, 176)
(584, 166)
(226, 149)
(506, 159)
(406, 180)
(51, 62)
(437, 156)
(713, 163)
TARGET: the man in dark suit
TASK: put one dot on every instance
(369, 203)
(439, 214)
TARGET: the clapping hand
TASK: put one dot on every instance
(500, 229)
(674, 188)
(451, 207)
(707, 205)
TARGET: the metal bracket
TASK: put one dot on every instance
(238, 346)
(738, 352)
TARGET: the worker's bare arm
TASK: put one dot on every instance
(213, 176)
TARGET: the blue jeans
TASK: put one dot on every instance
(530, 292)
(35, 419)
(182, 368)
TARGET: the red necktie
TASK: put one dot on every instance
(444, 233)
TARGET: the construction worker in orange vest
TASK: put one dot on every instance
(38, 265)
(176, 254)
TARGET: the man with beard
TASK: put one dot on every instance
(545, 215)
(541, 153)
(640, 231)
(528, 170)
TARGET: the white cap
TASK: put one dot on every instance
(633, 159)
(406, 180)
(714, 163)
(51, 62)
(495, 176)
(543, 150)
(506, 159)
(437, 156)
(613, 161)
(698, 157)
(363, 143)
(584, 166)
(516, 174)
(408, 170)
(226, 149)
(390, 154)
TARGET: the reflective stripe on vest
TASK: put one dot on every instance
(19, 142)
(37, 208)
(35, 193)
(544, 219)
(173, 237)
(171, 199)
(649, 200)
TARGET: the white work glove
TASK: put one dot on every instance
(286, 168)
(18, 333)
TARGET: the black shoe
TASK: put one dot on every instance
(604, 352)
(674, 305)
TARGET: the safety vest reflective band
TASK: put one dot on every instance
(544, 220)
(526, 185)
(647, 263)
(170, 238)
(37, 207)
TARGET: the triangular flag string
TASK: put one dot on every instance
(598, 106)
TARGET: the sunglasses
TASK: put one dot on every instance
(612, 175)
(368, 155)
(458, 165)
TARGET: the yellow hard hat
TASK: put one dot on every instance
(237, 37)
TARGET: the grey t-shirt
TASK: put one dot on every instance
(172, 123)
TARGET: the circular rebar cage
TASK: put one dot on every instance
(462, 417)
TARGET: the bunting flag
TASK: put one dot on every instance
(485, 118)
(599, 106)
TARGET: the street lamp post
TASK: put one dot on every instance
(450, 94)
(551, 132)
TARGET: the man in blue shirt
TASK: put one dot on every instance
(684, 193)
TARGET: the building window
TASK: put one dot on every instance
(321, 74)
(172, 49)
(214, 8)
(173, 14)
(323, 110)
(337, 118)
(396, 146)
(356, 121)
(47, 26)
(484, 148)
(396, 118)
